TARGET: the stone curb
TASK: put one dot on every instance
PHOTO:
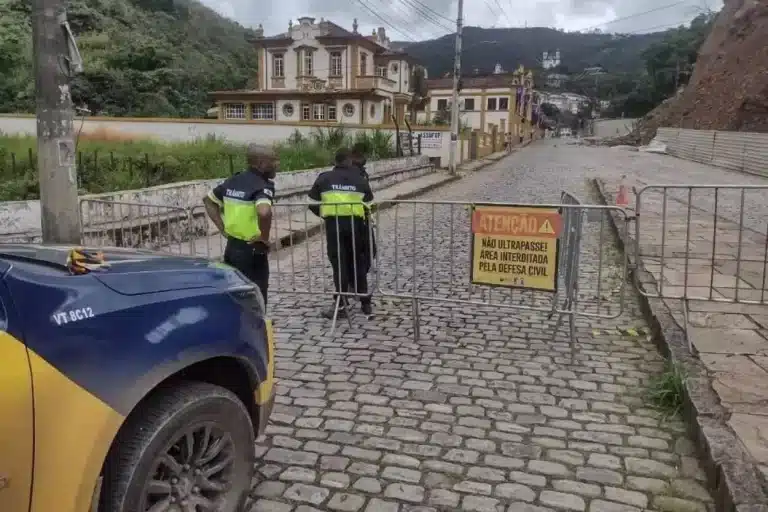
(736, 480)
(299, 236)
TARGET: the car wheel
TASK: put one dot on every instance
(189, 449)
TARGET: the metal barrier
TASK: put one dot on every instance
(513, 256)
(137, 225)
(439, 255)
(704, 242)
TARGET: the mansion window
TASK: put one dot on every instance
(381, 71)
(503, 103)
(492, 103)
(469, 104)
(335, 63)
(318, 112)
(442, 104)
(263, 111)
(278, 65)
(306, 112)
(331, 112)
(308, 63)
(363, 64)
(234, 111)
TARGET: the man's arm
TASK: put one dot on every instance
(264, 202)
(213, 203)
(367, 192)
(367, 198)
(314, 194)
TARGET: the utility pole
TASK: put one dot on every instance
(56, 58)
(455, 104)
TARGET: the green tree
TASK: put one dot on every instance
(141, 57)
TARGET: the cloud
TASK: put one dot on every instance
(425, 19)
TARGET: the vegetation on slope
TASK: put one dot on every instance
(142, 57)
(108, 161)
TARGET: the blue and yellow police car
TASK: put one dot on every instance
(129, 381)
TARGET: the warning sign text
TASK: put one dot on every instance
(515, 247)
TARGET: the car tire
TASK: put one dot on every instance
(191, 444)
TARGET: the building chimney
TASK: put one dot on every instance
(259, 32)
(382, 35)
(355, 26)
(290, 25)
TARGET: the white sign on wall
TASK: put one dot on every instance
(431, 140)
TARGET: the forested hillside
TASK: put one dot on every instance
(141, 57)
(511, 47)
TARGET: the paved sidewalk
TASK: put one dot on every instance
(718, 261)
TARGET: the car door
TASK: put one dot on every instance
(16, 409)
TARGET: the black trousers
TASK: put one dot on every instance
(251, 260)
(349, 251)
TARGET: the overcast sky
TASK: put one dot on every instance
(426, 19)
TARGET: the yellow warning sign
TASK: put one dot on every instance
(515, 247)
(546, 228)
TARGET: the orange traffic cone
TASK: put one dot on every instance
(622, 198)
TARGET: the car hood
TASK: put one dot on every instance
(136, 271)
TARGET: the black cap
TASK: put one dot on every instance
(342, 155)
(358, 149)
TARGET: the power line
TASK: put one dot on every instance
(632, 16)
(420, 10)
(432, 11)
(503, 12)
(383, 20)
(402, 17)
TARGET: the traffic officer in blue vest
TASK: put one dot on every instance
(241, 209)
(344, 194)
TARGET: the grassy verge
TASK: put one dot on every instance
(108, 161)
(667, 391)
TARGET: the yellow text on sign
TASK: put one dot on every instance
(528, 260)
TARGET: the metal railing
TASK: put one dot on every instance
(436, 252)
(704, 242)
(136, 225)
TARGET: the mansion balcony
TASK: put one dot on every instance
(376, 82)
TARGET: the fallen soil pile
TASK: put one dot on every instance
(729, 86)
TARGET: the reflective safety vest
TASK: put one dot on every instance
(239, 197)
(342, 192)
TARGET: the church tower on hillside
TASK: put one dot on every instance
(550, 60)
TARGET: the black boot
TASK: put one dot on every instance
(329, 311)
(367, 309)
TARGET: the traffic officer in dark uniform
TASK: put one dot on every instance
(344, 195)
(241, 209)
(358, 159)
(357, 155)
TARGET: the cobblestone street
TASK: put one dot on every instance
(487, 410)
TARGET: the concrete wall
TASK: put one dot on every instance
(20, 220)
(177, 130)
(612, 127)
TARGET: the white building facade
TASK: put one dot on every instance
(565, 102)
(505, 100)
(320, 73)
